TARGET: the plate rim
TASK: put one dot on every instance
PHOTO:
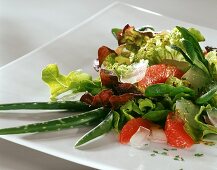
(72, 158)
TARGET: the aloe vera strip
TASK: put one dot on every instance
(104, 127)
(59, 124)
(66, 105)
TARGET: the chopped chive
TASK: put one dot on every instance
(198, 154)
(176, 159)
(173, 149)
(153, 154)
(155, 151)
(165, 149)
(164, 153)
(208, 143)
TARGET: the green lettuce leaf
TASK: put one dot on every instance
(146, 104)
(196, 34)
(130, 110)
(157, 115)
(192, 115)
(76, 81)
(207, 128)
(115, 32)
(191, 51)
(208, 96)
(187, 111)
(145, 108)
(196, 77)
(116, 121)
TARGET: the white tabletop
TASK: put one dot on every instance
(28, 24)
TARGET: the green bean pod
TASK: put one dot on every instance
(59, 124)
(66, 105)
(104, 127)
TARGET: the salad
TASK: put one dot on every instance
(154, 87)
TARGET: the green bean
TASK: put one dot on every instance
(59, 124)
(157, 90)
(66, 105)
(104, 127)
(207, 96)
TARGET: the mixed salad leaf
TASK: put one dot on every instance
(154, 87)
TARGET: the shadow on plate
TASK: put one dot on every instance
(67, 133)
(100, 143)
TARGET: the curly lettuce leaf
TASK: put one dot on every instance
(127, 73)
(134, 39)
(212, 59)
(129, 108)
(152, 46)
(77, 81)
(145, 104)
(145, 108)
(158, 48)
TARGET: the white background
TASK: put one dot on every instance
(27, 24)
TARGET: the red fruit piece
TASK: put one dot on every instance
(159, 74)
(131, 127)
(175, 132)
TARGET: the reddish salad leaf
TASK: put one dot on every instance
(101, 99)
(121, 35)
(108, 78)
(117, 101)
(126, 88)
(106, 98)
(103, 52)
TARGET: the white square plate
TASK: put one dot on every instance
(77, 48)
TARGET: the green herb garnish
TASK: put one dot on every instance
(198, 154)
